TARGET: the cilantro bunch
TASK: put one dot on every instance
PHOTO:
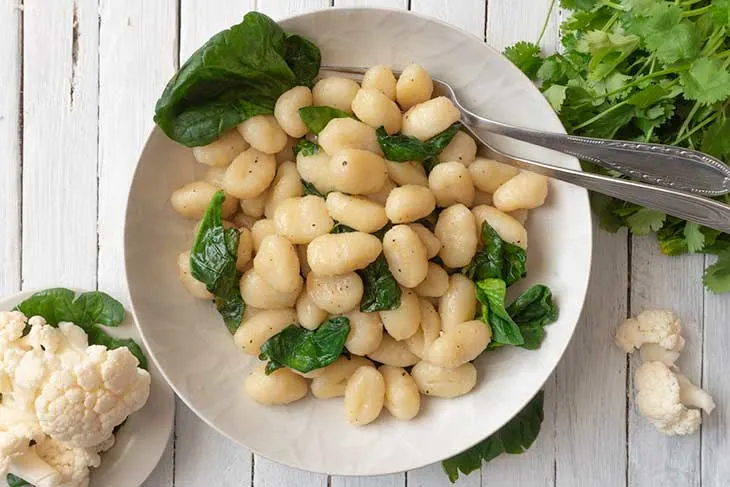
(650, 71)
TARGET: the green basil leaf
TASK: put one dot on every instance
(14, 481)
(305, 350)
(97, 336)
(236, 74)
(213, 262)
(317, 118)
(306, 148)
(402, 148)
(381, 290)
(515, 437)
(490, 293)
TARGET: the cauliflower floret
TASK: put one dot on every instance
(12, 324)
(651, 326)
(82, 405)
(660, 399)
(652, 352)
(72, 464)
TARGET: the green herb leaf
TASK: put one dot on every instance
(306, 148)
(341, 228)
(381, 291)
(305, 350)
(97, 336)
(403, 148)
(716, 141)
(717, 276)
(490, 293)
(532, 311)
(556, 96)
(310, 189)
(526, 56)
(213, 262)
(515, 437)
(235, 75)
(14, 481)
(496, 259)
(706, 81)
(317, 118)
(645, 221)
(695, 238)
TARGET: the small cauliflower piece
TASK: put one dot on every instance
(651, 326)
(662, 397)
(82, 405)
(652, 352)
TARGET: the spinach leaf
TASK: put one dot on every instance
(515, 437)
(58, 304)
(381, 290)
(237, 74)
(381, 233)
(305, 350)
(532, 311)
(341, 228)
(306, 147)
(88, 310)
(490, 293)
(14, 481)
(402, 148)
(213, 262)
(317, 118)
(497, 259)
(97, 336)
(310, 189)
(429, 163)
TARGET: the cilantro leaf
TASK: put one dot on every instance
(578, 4)
(556, 96)
(695, 238)
(515, 437)
(716, 141)
(645, 221)
(706, 81)
(526, 56)
(717, 276)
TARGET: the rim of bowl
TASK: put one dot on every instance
(188, 402)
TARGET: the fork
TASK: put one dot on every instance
(680, 178)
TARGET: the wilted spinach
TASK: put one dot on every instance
(402, 148)
(317, 118)
(237, 74)
(342, 228)
(305, 350)
(532, 310)
(306, 148)
(381, 290)
(497, 259)
(15, 481)
(213, 262)
(491, 293)
(88, 311)
(310, 189)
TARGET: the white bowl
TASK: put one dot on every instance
(142, 440)
(195, 352)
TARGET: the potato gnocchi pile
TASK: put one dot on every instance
(334, 236)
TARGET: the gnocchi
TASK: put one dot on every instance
(321, 218)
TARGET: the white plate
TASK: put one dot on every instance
(195, 352)
(143, 438)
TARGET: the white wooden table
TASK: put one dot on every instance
(78, 83)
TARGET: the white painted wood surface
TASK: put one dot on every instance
(79, 80)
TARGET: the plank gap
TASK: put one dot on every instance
(21, 104)
(75, 53)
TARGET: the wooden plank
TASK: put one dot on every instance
(715, 444)
(673, 283)
(10, 144)
(402, 4)
(148, 34)
(590, 436)
(509, 21)
(278, 10)
(469, 16)
(434, 476)
(202, 456)
(60, 154)
(207, 459)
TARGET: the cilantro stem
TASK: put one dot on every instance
(547, 19)
(717, 38)
(696, 128)
(686, 122)
(599, 116)
(610, 22)
(614, 5)
(676, 69)
(699, 11)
